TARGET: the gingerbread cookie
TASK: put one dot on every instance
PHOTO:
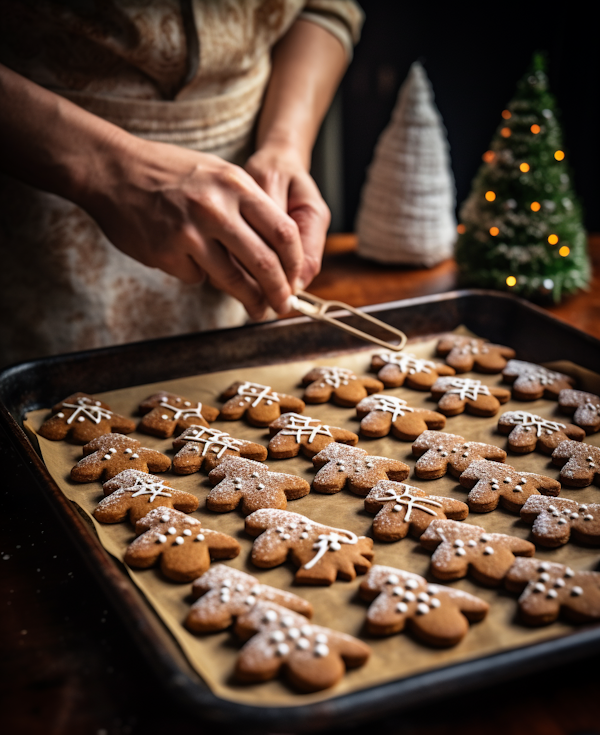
(133, 493)
(311, 657)
(433, 613)
(291, 433)
(403, 368)
(439, 452)
(455, 395)
(584, 407)
(580, 463)
(239, 480)
(549, 589)
(341, 465)
(183, 547)
(110, 454)
(321, 552)
(223, 594)
(202, 447)
(466, 353)
(555, 520)
(338, 384)
(380, 414)
(403, 508)
(531, 381)
(166, 413)
(491, 483)
(528, 431)
(81, 418)
(460, 548)
(259, 403)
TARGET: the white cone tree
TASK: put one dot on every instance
(406, 215)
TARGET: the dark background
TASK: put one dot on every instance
(474, 54)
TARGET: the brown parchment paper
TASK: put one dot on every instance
(398, 656)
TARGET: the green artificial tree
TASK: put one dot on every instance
(521, 226)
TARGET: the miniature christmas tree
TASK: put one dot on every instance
(521, 228)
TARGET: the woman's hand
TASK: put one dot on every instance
(281, 172)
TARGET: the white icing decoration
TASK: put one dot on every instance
(525, 418)
(577, 591)
(407, 362)
(283, 649)
(402, 607)
(152, 488)
(409, 500)
(335, 376)
(303, 644)
(434, 602)
(467, 388)
(330, 542)
(212, 438)
(300, 426)
(84, 409)
(321, 650)
(390, 404)
(412, 584)
(258, 392)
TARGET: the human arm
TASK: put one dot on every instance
(308, 63)
(191, 214)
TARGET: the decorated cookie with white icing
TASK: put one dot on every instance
(260, 404)
(321, 553)
(340, 385)
(439, 452)
(549, 589)
(584, 407)
(110, 454)
(165, 413)
(404, 368)
(531, 381)
(528, 431)
(580, 463)
(133, 494)
(292, 433)
(200, 447)
(237, 480)
(491, 484)
(178, 543)
(223, 594)
(81, 418)
(310, 657)
(455, 395)
(467, 353)
(341, 465)
(556, 520)
(461, 548)
(402, 509)
(381, 414)
(433, 613)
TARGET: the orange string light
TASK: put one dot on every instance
(552, 239)
(490, 195)
(461, 229)
(511, 281)
(535, 129)
(559, 155)
(524, 167)
(535, 206)
(506, 132)
(506, 114)
(564, 251)
(488, 156)
(494, 231)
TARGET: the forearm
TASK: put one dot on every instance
(308, 64)
(51, 143)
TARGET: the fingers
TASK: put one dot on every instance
(308, 209)
(273, 182)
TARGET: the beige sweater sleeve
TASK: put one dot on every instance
(342, 18)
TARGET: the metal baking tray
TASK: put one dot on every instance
(533, 333)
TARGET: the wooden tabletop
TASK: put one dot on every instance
(69, 666)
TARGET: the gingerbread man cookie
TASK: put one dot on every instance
(183, 547)
(549, 589)
(291, 433)
(110, 454)
(460, 548)
(81, 418)
(311, 657)
(455, 395)
(584, 407)
(433, 613)
(380, 414)
(238, 480)
(403, 368)
(341, 465)
(201, 447)
(321, 552)
(223, 594)
(528, 431)
(133, 493)
(555, 520)
(259, 403)
(491, 484)
(338, 384)
(164, 413)
(403, 508)
(439, 452)
(531, 381)
(580, 463)
(466, 353)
